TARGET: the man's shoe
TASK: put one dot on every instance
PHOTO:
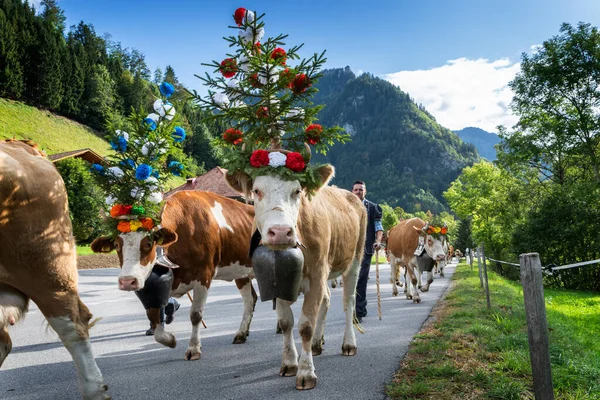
(359, 319)
(170, 310)
(150, 332)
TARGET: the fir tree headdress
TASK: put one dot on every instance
(261, 92)
(146, 150)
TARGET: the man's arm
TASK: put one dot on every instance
(378, 227)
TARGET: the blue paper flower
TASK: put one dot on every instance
(150, 124)
(128, 163)
(97, 168)
(178, 134)
(176, 168)
(120, 144)
(142, 172)
(166, 89)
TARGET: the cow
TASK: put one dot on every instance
(208, 237)
(331, 228)
(38, 261)
(440, 265)
(403, 240)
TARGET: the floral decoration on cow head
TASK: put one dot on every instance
(261, 93)
(147, 148)
(435, 229)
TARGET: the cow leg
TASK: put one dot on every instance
(73, 329)
(425, 287)
(407, 291)
(394, 267)
(193, 351)
(285, 320)
(350, 279)
(160, 334)
(419, 273)
(319, 336)
(441, 270)
(313, 296)
(410, 269)
(249, 298)
(13, 306)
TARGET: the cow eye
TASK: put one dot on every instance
(257, 193)
(147, 245)
(297, 192)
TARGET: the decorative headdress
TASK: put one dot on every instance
(145, 154)
(262, 93)
(436, 228)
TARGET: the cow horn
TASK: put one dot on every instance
(308, 152)
(424, 229)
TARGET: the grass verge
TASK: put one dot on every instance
(469, 352)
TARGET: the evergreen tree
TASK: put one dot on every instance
(158, 76)
(170, 76)
(99, 97)
(11, 71)
(464, 238)
(50, 74)
(53, 15)
(74, 83)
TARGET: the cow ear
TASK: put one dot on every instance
(420, 231)
(239, 181)
(165, 237)
(103, 245)
(325, 173)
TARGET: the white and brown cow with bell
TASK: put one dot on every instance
(208, 236)
(403, 240)
(38, 259)
(331, 226)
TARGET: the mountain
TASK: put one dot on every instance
(404, 156)
(484, 141)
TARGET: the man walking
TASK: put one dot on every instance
(372, 244)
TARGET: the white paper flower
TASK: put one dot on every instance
(221, 99)
(264, 75)
(155, 197)
(233, 83)
(170, 111)
(249, 16)
(152, 183)
(147, 148)
(154, 117)
(250, 35)
(295, 112)
(116, 172)
(244, 63)
(136, 192)
(277, 159)
(122, 133)
(110, 200)
(159, 107)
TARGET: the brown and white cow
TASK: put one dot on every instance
(38, 260)
(208, 236)
(331, 227)
(403, 240)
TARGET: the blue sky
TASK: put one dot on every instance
(455, 57)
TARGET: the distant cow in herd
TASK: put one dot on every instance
(208, 236)
(38, 260)
(331, 228)
(403, 240)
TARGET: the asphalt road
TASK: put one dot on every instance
(136, 367)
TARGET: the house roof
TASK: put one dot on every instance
(87, 154)
(212, 181)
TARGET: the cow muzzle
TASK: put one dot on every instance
(280, 237)
(440, 257)
(128, 284)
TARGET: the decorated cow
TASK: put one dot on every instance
(204, 236)
(263, 94)
(417, 246)
(38, 260)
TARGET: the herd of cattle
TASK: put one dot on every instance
(208, 237)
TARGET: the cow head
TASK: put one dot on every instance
(276, 205)
(137, 254)
(434, 244)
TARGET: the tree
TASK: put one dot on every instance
(464, 239)
(389, 219)
(557, 100)
(170, 76)
(85, 198)
(158, 76)
(49, 91)
(99, 97)
(11, 71)
(54, 15)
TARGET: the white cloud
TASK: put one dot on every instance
(463, 92)
(36, 4)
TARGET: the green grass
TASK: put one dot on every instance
(53, 133)
(471, 352)
(382, 259)
(83, 250)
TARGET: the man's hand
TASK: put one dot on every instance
(377, 246)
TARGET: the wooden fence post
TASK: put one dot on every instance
(537, 326)
(479, 266)
(487, 286)
(471, 258)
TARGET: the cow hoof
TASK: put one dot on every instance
(317, 349)
(408, 297)
(425, 289)
(192, 354)
(306, 382)
(95, 392)
(288, 370)
(394, 293)
(416, 300)
(349, 350)
(240, 338)
(442, 275)
(278, 330)
(166, 339)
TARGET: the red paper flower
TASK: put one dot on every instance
(295, 162)
(228, 68)
(300, 83)
(262, 112)
(444, 230)
(233, 136)
(285, 77)
(257, 49)
(120, 209)
(239, 15)
(313, 133)
(254, 81)
(279, 56)
(147, 223)
(259, 158)
(123, 226)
